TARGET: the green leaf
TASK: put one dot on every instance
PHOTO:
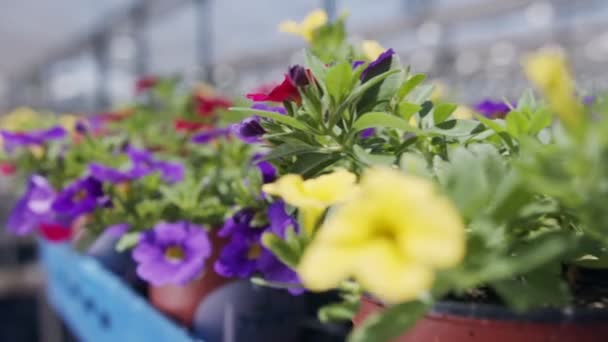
(541, 119)
(373, 159)
(443, 111)
(542, 287)
(526, 101)
(127, 241)
(456, 128)
(284, 119)
(315, 65)
(382, 119)
(408, 109)
(339, 80)
(387, 325)
(408, 85)
(414, 164)
(281, 249)
(286, 150)
(517, 123)
(338, 312)
(311, 162)
(492, 124)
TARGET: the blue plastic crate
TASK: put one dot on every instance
(97, 306)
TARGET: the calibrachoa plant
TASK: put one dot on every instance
(401, 199)
(160, 176)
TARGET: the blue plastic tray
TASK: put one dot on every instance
(97, 306)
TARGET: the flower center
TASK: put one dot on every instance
(80, 195)
(254, 252)
(174, 253)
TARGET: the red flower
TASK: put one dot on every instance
(7, 169)
(206, 106)
(187, 126)
(55, 232)
(145, 83)
(285, 91)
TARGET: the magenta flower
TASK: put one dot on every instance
(13, 140)
(172, 253)
(80, 197)
(33, 207)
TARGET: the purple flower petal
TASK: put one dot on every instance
(78, 198)
(492, 109)
(172, 253)
(249, 130)
(13, 140)
(207, 136)
(33, 207)
(381, 65)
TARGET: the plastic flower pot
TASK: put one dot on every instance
(456, 322)
(242, 311)
(180, 301)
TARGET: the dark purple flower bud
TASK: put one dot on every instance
(81, 127)
(207, 136)
(492, 110)
(381, 65)
(356, 64)
(298, 76)
(368, 132)
(249, 130)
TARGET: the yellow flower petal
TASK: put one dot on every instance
(311, 22)
(396, 230)
(323, 267)
(372, 49)
(463, 112)
(549, 72)
(387, 274)
(331, 188)
(291, 189)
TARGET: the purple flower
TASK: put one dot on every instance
(38, 137)
(589, 100)
(117, 230)
(249, 130)
(244, 254)
(107, 174)
(268, 171)
(276, 109)
(172, 253)
(212, 134)
(368, 132)
(144, 164)
(356, 64)
(81, 127)
(33, 207)
(491, 109)
(80, 197)
(381, 65)
(298, 76)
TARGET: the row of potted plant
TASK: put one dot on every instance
(422, 220)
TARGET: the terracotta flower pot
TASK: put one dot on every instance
(456, 322)
(180, 302)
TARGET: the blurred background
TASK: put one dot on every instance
(84, 57)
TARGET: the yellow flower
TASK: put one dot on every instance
(20, 119)
(439, 91)
(390, 237)
(68, 122)
(463, 112)
(313, 196)
(372, 49)
(548, 70)
(307, 27)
